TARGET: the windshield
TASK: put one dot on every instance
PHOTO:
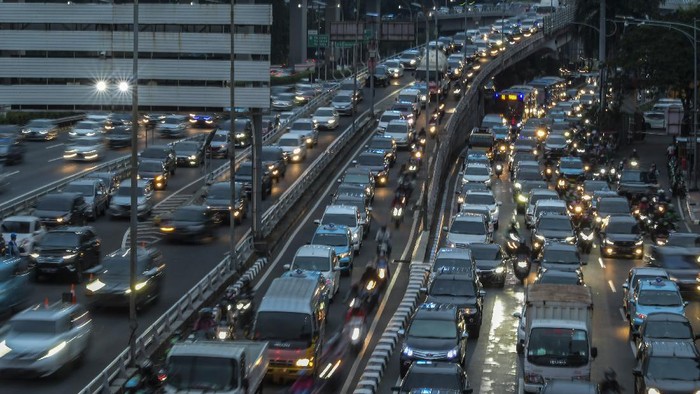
(382, 143)
(151, 166)
(560, 256)
(340, 219)
(60, 239)
(407, 97)
(55, 203)
(303, 125)
(245, 170)
(222, 192)
(447, 262)
(616, 227)
(481, 140)
(633, 176)
(449, 287)
(558, 346)
(330, 239)
(556, 140)
(155, 153)
(220, 137)
(311, 263)
(42, 327)
(673, 368)
(468, 227)
(547, 223)
(87, 190)
(479, 199)
(19, 227)
(125, 191)
(438, 329)
(678, 261)
(477, 170)
(189, 215)
(356, 179)
(651, 297)
(371, 160)
(485, 252)
(283, 326)
(288, 142)
(386, 118)
(86, 126)
(590, 186)
(40, 123)
(405, 108)
(202, 373)
(322, 112)
(571, 164)
(686, 241)
(667, 330)
(187, 147)
(342, 99)
(613, 206)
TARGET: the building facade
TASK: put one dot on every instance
(65, 55)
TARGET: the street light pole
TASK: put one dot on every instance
(133, 214)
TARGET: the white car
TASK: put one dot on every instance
(318, 258)
(467, 229)
(29, 231)
(305, 127)
(386, 117)
(85, 149)
(326, 118)
(485, 199)
(85, 128)
(345, 215)
(477, 173)
(294, 147)
(395, 68)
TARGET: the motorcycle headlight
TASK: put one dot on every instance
(522, 198)
(499, 270)
(355, 335)
(222, 333)
(518, 185)
(69, 257)
(608, 242)
(570, 239)
(587, 237)
(522, 264)
(652, 390)
(639, 242)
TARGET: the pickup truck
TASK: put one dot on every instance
(555, 330)
(236, 367)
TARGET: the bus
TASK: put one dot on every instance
(516, 104)
(550, 90)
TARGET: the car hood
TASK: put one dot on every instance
(115, 283)
(341, 105)
(373, 169)
(569, 267)
(289, 149)
(49, 213)
(244, 178)
(164, 126)
(182, 223)
(672, 386)
(218, 144)
(118, 137)
(149, 174)
(126, 200)
(488, 264)
(398, 137)
(218, 201)
(30, 343)
(322, 118)
(431, 344)
(73, 148)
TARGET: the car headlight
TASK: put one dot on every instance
(608, 242)
(331, 121)
(570, 239)
(159, 178)
(303, 362)
(407, 351)
(639, 242)
(193, 157)
(652, 390)
(355, 236)
(69, 257)
(54, 350)
(4, 349)
(240, 135)
(138, 286)
(355, 335)
(453, 353)
(297, 151)
(499, 270)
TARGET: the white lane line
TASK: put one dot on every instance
(56, 159)
(612, 286)
(600, 261)
(622, 314)
(680, 211)
(54, 146)
(12, 173)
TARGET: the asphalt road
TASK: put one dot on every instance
(186, 264)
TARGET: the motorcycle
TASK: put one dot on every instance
(243, 314)
(585, 242)
(355, 329)
(383, 272)
(498, 169)
(548, 172)
(146, 379)
(397, 214)
(412, 167)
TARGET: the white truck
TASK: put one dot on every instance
(236, 367)
(556, 328)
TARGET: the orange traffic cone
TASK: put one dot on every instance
(46, 302)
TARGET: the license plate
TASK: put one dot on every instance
(50, 270)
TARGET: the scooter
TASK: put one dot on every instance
(397, 215)
(356, 331)
(383, 272)
(585, 242)
(521, 266)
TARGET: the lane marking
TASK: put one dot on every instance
(622, 314)
(612, 286)
(600, 261)
(12, 173)
(54, 146)
(56, 159)
(633, 346)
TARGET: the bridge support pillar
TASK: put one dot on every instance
(298, 11)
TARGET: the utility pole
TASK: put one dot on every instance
(696, 162)
(601, 63)
(354, 68)
(133, 197)
(231, 137)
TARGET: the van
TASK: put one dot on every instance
(344, 215)
(318, 258)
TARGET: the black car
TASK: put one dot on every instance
(435, 333)
(353, 188)
(621, 236)
(377, 163)
(202, 121)
(11, 149)
(610, 206)
(273, 159)
(462, 289)
(434, 377)
(60, 209)
(385, 144)
(115, 120)
(680, 263)
(66, 251)
(668, 366)
(243, 135)
(95, 193)
(118, 137)
(360, 176)
(552, 228)
(189, 153)
(190, 222)
(560, 257)
(164, 153)
(357, 200)
(110, 284)
(380, 76)
(244, 174)
(665, 326)
(154, 170)
(218, 200)
(491, 263)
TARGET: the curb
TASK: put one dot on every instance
(418, 273)
(693, 220)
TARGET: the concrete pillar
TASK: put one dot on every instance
(298, 11)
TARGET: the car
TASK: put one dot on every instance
(667, 366)
(435, 333)
(85, 149)
(326, 118)
(85, 128)
(244, 175)
(358, 200)
(111, 181)
(304, 94)
(466, 229)
(620, 235)
(117, 119)
(590, 186)
(386, 117)
(434, 376)
(307, 129)
(12, 149)
(653, 295)
(380, 76)
(43, 340)
(40, 130)
(535, 196)
(486, 199)
(552, 207)
(560, 257)
(172, 126)
(684, 240)
(219, 145)
(401, 132)
(242, 136)
(150, 120)
(552, 228)
(346, 188)
(344, 215)
(60, 209)
(385, 144)
(634, 182)
(109, 284)
(120, 206)
(412, 96)
(376, 163)
(94, 192)
(491, 263)
(294, 147)
(343, 103)
(348, 87)
(28, 229)
(555, 146)
(680, 263)
(193, 223)
(274, 160)
(454, 259)
(571, 169)
(556, 277)
(217, 199)
(202, 121)
(14, 284)
(118, 137)
(318, 258)
(163, 153)
(154, 170)
(407, 109)
(663, 326)
(338, 237)
(610, 206)
(522, 195)
(189, 153)
(68, 250)
(477, 173)
(635, 275)
(283, 101)
(394, 68)
(556, 386)
(409, 59)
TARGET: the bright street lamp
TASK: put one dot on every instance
(123, 86)
(101, 86)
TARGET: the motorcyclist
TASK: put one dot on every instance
(382, 261)
(206, 322)
(653, 173)
(246, 291)
(383, 239)
(643, 206)
(422, 135)
(610, 385)
(661, 196)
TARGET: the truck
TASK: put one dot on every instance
(556, 334)
(235, 367)
(429, 66)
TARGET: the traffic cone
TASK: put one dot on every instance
(46, 302)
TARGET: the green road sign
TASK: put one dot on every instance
(318, 40)
(345, 44)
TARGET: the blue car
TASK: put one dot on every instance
(654, 295)
(340, 238)
(14, 284)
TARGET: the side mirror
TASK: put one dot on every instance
(287, 267)
(594, 352)
(354, 162)
(498, 203)
(340, 180)
(317, 221)
(637, 372)
(517, 314)
(401, 332)
(685, 303)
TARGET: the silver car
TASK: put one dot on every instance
(85, 149)
(85, 128)
(41, 340)
(326, 118)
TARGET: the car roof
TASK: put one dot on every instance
(666, 316)
(432, 311)
(649, 271)
(659, 284)
(314, 250)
